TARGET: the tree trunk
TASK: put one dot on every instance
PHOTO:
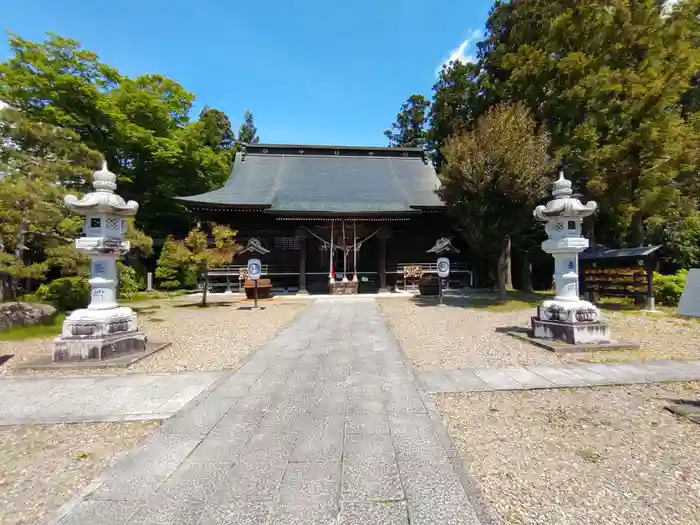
(206, 287)
(503, 265)
(638, 232)
(526, 273)
(589, 230)
(509, 269)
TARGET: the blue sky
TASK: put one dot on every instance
(311, 71)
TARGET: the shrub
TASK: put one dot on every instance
(668, 288)
(66, 293)
(128, 281)
(175, 268)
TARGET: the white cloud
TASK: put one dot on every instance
(462, 53)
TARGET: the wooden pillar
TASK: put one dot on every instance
(382, 235)
(302, 263)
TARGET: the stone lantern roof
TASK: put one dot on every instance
(564, 205)
(103, 199)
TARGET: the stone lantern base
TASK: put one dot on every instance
(573, 322)
(98, 335)
(572, 333)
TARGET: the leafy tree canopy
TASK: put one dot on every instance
(140, 125)
(493, 177)
(409, 129)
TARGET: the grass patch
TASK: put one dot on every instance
(516, 301)
(154, 294)
(34, 331)
(591, 456)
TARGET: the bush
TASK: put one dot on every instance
(668, 288)
(128, 281)
(66, 293)
(175, 269)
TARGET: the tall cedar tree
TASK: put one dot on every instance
(248, 133)
(493, 177)
(409, 129)
(457, 103)
(607, 78)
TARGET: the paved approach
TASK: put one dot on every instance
(325, 425)
(28, 400)
(559, 376)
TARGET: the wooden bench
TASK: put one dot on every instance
(264, 289)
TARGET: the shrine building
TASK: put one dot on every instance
(318, 214)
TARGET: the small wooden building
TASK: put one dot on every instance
(351, 213)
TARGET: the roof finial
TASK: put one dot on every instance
(104, 180)
(562, 187)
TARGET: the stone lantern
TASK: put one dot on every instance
(567, 317)
(103, 328)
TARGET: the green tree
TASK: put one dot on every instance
(203, 256)
(457, 103)
(40, 163)
(409, 129)
(174, 269)
(140, 125)
(606, 77)
(248, 133)
(218, 134)
(493, 177)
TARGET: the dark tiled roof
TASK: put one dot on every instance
(605, 253)
(326, 179)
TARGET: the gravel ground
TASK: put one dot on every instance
(42, 467)
(659, 336)
(576, 457)
(459, 337)
(456, 337)
(214, 338)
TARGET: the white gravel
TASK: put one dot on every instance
(215, 338)
(42, 467)
(576, 457)
(449, 337)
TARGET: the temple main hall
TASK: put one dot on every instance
(316, 215)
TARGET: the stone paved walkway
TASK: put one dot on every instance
(323, 425)
(27, 400)
(560, 376)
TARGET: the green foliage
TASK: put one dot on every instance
(409, 129)
(41, 162)
(680, 235)
(128, 281)
(457, 103)
(204, 256)
(668, 288)
(34, 331)
(174, 269)
(140, 125)
(66, 293)
(493, 177)
(248, 133)
(607, 78)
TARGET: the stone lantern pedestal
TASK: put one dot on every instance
(104, 328)
(567, 317)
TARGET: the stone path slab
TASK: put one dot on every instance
(559, 376)
(35, 400)
(324, 424)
